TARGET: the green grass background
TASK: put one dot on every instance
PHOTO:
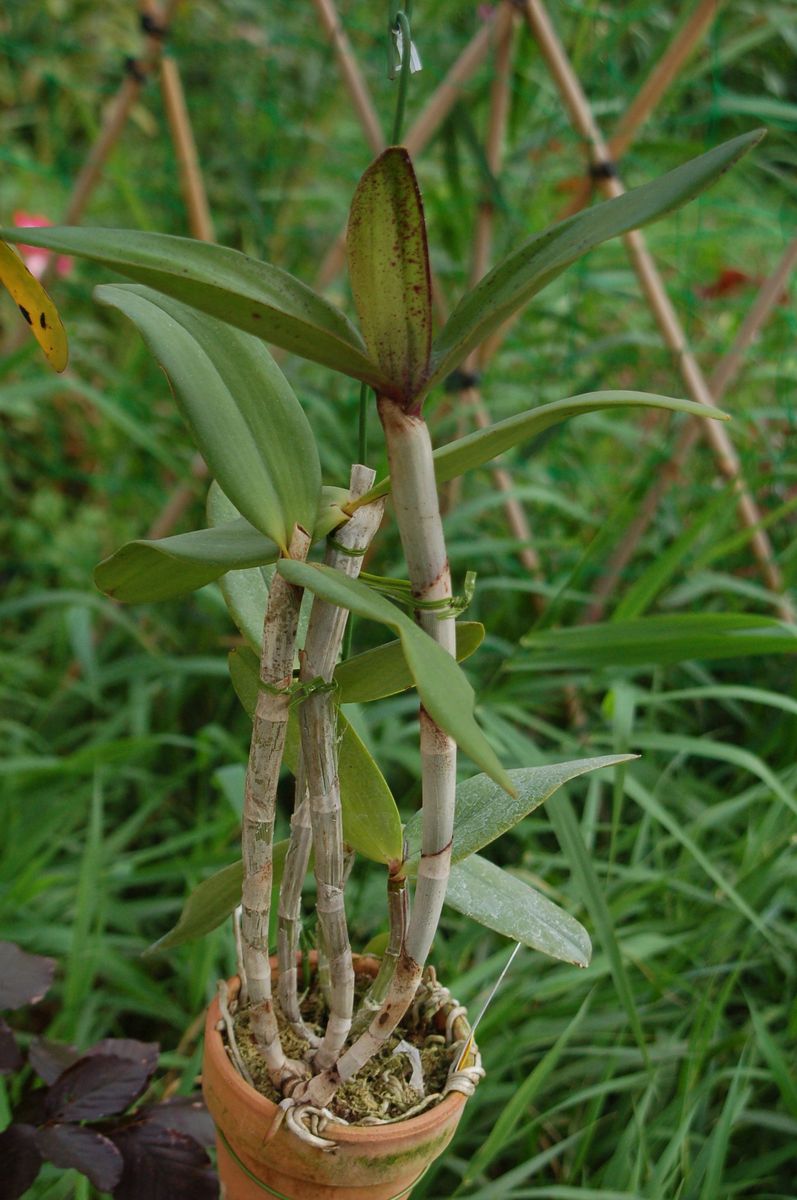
(666, 1070)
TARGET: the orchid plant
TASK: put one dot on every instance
(206, 313)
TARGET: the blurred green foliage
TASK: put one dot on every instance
(666, 1068)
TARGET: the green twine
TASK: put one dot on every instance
(299, 690)
(280, 1195)
(349, 551)
(400, 590)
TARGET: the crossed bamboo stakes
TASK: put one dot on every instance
(496, 36)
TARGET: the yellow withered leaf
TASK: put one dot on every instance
(36, 307)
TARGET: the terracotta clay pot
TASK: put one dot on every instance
(381, 1162)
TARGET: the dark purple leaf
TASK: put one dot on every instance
(24, 978)
(10, 1056)
(96, 1086)
(162, 1164)
(187, 1114)
(84, 1149)
(143, 1053)
(31, 1108)
(20, 1160)
(51, 1059)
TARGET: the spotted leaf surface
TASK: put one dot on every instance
(389, 270)
(36, 307)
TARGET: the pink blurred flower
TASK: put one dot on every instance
(34, 257)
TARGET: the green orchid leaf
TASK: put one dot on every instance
(654, 640)
(377, 946)
(246, 596)
(159, 569)
(245, 419)
(484, 812)
(504, 903)
(527, 270)
(146, 570)
(330, 512)
(252, 296)
(480, 447)
(389, 270)
(371, 821)
(443, 689)
(244, 671)
(383, 671)
(245, 591)
(213, 901)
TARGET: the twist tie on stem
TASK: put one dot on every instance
(400, 590)
(349, 551)
(462, 381)
(403, 59)
(401, 40)
(298, 690)
(398, 16)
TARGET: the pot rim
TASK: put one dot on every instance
(396, 1131)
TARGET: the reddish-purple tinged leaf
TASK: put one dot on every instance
(51, 1059)
(143, 1053)
(162, 1164)
(24, 978)
(84, 1149)
(20, 1160)
(186, 1114)
(389, 271)
(10, 1057)
(96, 1086)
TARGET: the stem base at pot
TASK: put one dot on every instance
(377, 1162)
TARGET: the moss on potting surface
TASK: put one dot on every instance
(381, 1089)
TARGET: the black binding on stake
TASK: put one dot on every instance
(460, 381)
(134, 69)
(151, 26)
(603, 170)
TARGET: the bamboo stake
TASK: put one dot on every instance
(652, 91)
(663, 75)
(191, 181)
(437, 109)
(429, 121)
(200, 223)
(431, 118)
(352, 76)
(722, 377)
(658, 299)
(114, 121)
(499, 111)
(260, 794)
(482, 252)
(500, 97)
(117, 113)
